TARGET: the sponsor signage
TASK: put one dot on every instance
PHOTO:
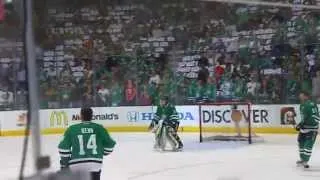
(58, 119)
(211, 116)
(22, 119)
(98, 117)
(288, 115)
(135, 116)
(223, 115)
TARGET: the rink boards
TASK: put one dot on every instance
(264, 118)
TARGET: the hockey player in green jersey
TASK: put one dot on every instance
(308, 128)
(165, 126)
(84, 145)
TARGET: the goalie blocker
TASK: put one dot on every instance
(165, 126)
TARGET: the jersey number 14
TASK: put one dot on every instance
(90, 145)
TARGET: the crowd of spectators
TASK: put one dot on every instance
(130, 52)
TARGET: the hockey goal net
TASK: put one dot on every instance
(227, 121)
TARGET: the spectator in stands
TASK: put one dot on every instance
(52, 72)
(292, 88)
(130, 93)
(192, 90)
(310, 58)
(316, 87)
(143, 30)
(21, 77)
(211, 90)
(239, 87)
(6, 98)
(252, 89)
(104, 94)
(3, 70)
(50, 92)
(155, 78)
(66, 73)
(116, 93)
(87, 98)
(144, 97)
(264, 86)
(219, 70)
(65, 95)
(226, 88)
(154, 93)
(306, 83)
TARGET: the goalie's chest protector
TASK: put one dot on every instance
(165, 111)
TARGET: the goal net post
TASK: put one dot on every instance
(226, 121)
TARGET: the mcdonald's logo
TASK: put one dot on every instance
(58, 119)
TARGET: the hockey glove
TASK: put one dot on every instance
(173, 124)
(64, 168)
(153, 124)
(64, 162)
(298, 127)
(63, 165)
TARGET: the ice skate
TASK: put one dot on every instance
(180, 148)
(156, 147)
(305, 165)
(299, 163)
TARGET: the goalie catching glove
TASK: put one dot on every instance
(298, 127)
(153, 125)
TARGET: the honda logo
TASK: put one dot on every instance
(133, 116)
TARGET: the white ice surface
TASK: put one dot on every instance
(134, 159)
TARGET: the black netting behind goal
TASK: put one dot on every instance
(228, 121)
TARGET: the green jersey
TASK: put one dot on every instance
(192, 90)
(116, 95)
(309, 116)
(167, 112)
(84, 145)
(211, 92)
(154, 93)
(239, 88)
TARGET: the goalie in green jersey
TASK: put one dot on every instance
(308, 128)
(84, 145)
(165, 126)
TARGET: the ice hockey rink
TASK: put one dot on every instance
(134, 159)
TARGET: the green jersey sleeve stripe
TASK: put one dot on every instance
(307, 150)
(174, 118)
(316, 117)
(85, 159)
(64, 150)
(65, 155)
(306, 153)
(107, 151)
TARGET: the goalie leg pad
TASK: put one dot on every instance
(159, 134)
(174, 139)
